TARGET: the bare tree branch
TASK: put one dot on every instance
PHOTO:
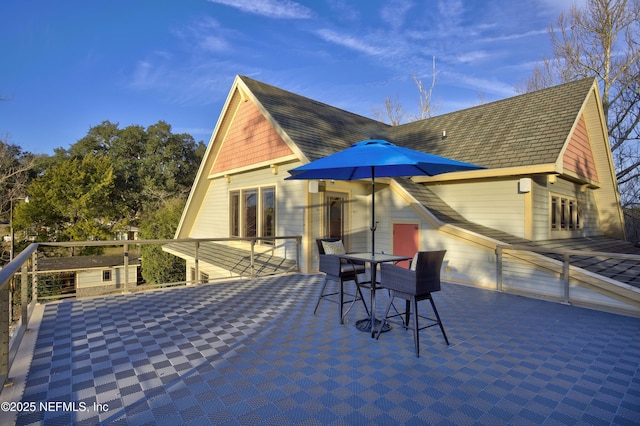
(602, 40)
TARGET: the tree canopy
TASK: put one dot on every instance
(602, 40)
(159, 266)
(72, 201)
(106, 181)
(16, 168)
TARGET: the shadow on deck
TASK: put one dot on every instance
(252, 352)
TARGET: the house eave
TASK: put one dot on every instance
(537, 169)
(261, 165)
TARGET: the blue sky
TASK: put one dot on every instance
(69, 65)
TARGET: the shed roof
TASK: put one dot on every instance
(75, 263)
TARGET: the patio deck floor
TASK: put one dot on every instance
(252, 352)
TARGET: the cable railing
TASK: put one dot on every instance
(581, 277)
(57, 270)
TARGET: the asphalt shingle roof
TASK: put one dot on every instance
(317, 129)
(84, 262)
(523, 130)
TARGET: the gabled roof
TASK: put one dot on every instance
(520, 131)
(525, 134)
(316, 128)
(524, 130)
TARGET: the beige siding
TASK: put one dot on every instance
(464, 263)
(587, 207)
(495, 203)
(606, 198)
(212, 220)
(93, 277)
(541, 221)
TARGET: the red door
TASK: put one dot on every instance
(405, 240)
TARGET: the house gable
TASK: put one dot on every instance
(250, 140)
(578, 156)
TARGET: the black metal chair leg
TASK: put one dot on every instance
(355, 299)
(435, 311)
(384, 317)
(416, 329)
(363, 301)
(324, 286)
(407, 313)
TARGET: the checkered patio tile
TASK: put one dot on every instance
(251, 352)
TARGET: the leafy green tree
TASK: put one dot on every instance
(150, 165)
(16, 167)
(71, 201)
(159, 266)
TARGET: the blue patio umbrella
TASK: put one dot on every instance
(377, 158)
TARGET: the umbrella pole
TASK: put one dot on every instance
(373, 211)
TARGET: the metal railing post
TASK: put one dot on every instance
(499, 268)
(4, 333)
(197, 263)
(11, 286)
(24, 295)
(298, 244)
(565, 276)
(34, 276)
(253, 252)
(126, 267)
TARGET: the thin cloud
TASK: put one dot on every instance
(474, 56)
(280, 9)
(193, 131)
(205, 34)
(187, 84)
(394, 12)
(533, 33)
(482, 85)
(350, 42)
(345, 11)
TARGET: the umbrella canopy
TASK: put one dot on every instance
(386, 159)
(377, 158)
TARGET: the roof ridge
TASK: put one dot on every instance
(495, 135)
(516, 98)
(244, 78)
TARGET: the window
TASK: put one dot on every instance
(204, 278)
(335, 215)
(268, 203)
(250, 212)
(253, 212)
(564, 214)
(234, 212)
(106, 275)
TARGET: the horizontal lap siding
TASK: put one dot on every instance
(496, 204)
(463, 263)
(212, 220)
(541, 209)
(605, 196)
(588, 209)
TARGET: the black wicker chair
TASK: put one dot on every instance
(414, 286)
(339, 271)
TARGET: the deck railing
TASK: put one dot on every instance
(581, 277)
(23, 284)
